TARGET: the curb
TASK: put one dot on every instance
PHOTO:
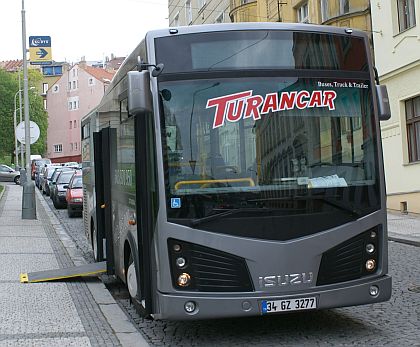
(2, 192)
(404, 239)
(124, 330)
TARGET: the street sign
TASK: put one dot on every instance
(20, 132)
(40, 50)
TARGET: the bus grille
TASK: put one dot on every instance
(346, 261)
(210, 270)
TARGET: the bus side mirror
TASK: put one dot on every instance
(384, 108)
(139, 94)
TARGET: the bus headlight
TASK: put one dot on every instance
(180, 262)
(184, 280)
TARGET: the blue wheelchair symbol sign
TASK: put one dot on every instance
(175, 202)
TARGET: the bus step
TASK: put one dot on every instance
(59, 274)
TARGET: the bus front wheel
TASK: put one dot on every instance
(131, 279)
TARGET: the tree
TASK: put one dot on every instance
(8, 87)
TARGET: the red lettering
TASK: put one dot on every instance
(233, 116)
(329, 97)
(252, 105)
(300, 104)
(271, 102)
(287, 101)
(220, 104)
(316, 99)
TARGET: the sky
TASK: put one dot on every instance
(80, 28)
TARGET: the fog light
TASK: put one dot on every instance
(373, 234)
(176, 247)
(180, 262)
(374, 291)
(189, 306)
(184, 280)
(370, 248)
(370, 264)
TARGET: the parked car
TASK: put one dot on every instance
(54, 177)
(7, 174)
(63, 179)
(47, 178)
(38, 162)
(74, 195)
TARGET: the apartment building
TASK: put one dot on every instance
(76, 93)
(396, 30)
(191, 12)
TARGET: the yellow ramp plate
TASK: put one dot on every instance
(59, 274)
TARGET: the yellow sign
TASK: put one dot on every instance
(40, 50)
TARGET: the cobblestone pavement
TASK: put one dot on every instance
(394, 323)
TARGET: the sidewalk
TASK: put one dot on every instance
(404, 228)
(73, 313)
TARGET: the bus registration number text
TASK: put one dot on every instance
(271, 306)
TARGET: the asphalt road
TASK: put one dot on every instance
(394, 323)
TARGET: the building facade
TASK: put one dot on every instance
(191, 12)
(76, 93)
(396, 27)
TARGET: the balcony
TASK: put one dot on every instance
(243, 11)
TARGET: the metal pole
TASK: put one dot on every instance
(14, 124)
(28, 198)
(25, 95)
(22, 161)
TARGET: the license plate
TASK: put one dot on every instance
(272, 306)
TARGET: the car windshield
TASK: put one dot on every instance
(77, 182)
(65, 177)
(282, 145)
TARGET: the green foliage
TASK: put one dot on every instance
(8, 87)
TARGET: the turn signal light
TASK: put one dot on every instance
(370, 264)
(184, 280)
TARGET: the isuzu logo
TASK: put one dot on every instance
(285, 280)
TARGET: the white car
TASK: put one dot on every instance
(7, 174)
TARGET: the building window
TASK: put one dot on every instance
(45, 104)
(176, 20)
(71, 147)
(74, 105)
(188, 12)
(412, 115)
(55, 89)
(58, 148)
(71, 124)
(52, 70)
(201, 4)
(90, 81)
(69, 85)
(324, 10)
(220, 18)
(302, 13)
(75, 146)
(344, 6)
(406, 14)
(44, 88)
(74, 84)
(74, 124)
(70, 105)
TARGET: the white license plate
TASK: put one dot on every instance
(272, 306)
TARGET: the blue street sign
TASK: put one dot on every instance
(39, 41)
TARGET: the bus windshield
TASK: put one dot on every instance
(277, 146)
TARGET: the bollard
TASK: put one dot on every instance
(28, 201)
(22, 177)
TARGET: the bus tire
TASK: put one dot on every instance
(131, 279)
(94, 242)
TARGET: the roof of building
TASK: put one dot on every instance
(114, 63)
(100, 74)
(11, 65)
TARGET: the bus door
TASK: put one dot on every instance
(104, 142)
(147, 203)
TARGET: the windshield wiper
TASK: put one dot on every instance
(227, 212)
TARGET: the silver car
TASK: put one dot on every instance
(8, 174)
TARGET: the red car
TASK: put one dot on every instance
(74, 195)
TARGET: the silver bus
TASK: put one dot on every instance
(236, 170)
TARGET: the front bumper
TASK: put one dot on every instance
(222, 306)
